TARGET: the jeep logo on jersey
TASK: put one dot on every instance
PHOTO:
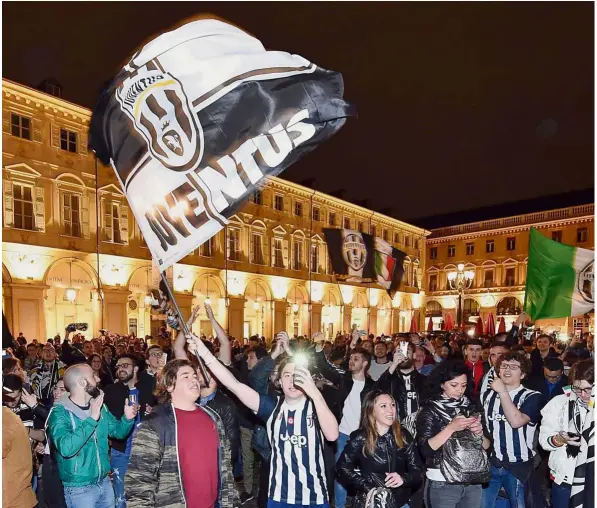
(585, 282)
(156, 103)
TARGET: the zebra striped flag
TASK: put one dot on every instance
(583, 484)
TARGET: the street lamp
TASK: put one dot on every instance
(460, 281)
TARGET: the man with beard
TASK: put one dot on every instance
(126, 388)
(79, 428)
(403, 382)
(380, 363)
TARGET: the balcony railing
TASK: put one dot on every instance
(518, 220)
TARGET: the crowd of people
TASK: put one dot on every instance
(440, 421)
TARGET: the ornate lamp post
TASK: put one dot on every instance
(460, 281)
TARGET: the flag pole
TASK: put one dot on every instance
(183, 324)
(100, 292)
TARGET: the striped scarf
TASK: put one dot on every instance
(583, 484)
(450, 408)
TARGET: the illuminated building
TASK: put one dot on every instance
(256, 274)
(496, 253)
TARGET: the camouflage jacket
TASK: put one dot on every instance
(153, 477)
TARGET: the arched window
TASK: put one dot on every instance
(470, 308)
(433, 309)
(509, 306)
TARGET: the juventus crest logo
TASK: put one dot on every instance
(156, 103)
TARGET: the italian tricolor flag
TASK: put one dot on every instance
(559, 279)
(384, 263)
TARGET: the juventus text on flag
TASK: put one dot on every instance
(199, 118)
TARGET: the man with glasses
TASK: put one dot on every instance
(551, 383)
(125, 388)
(511, 414)
(154, 362)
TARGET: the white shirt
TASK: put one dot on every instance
(351, 414)
(377, 369)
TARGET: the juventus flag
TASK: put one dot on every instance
(359, 257)
(583, 485)
(197, 120)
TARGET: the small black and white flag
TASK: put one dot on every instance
(198, 119)
(359, 257)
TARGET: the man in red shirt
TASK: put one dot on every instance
(474, 347)
(180, 455)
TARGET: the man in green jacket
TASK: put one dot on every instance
(78, 428)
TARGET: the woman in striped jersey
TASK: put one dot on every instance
(297, 423)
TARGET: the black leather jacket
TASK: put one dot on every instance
(359, 473)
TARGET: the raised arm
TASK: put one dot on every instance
(225, 348)
(179, 343)
(245, 394)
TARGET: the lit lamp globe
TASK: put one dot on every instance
(71, 294)
(256, 305)
(148, 299)
(208, 301)
(295, 307)
(460, 267)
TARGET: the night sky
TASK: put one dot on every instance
(461, 105)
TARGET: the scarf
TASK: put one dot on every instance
(450, 408)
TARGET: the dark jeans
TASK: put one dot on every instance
(263, 483)
(560, 495)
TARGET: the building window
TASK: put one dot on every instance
(470, 249)
(332, 219)
(433, 282)
(406, 240)
(373, 230)
(510, 277)
(68, 140)
(255, 197)
(396, 237)
(511, 243)
(316, 214)
(582, 235)
(278, 253)
(20, 126)
(417, 244)
(433, 253)
(71, 214)
(385, 235)
(556, 236)
(206, 248)
(234, 245)
(360, 227)
(298, 209)
(346, 223)
(257, 249)
(451, 251)
(488, 280)
(279, 203)
(112, 224)
(489, 246)
(297, 255)
(23, 207)
(315, 258)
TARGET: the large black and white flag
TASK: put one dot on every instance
(583, 484)
(198, 118)
(359, 257)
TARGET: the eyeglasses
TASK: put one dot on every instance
(578, 390)
(506, 366)
(124, 366)
(156, 355)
